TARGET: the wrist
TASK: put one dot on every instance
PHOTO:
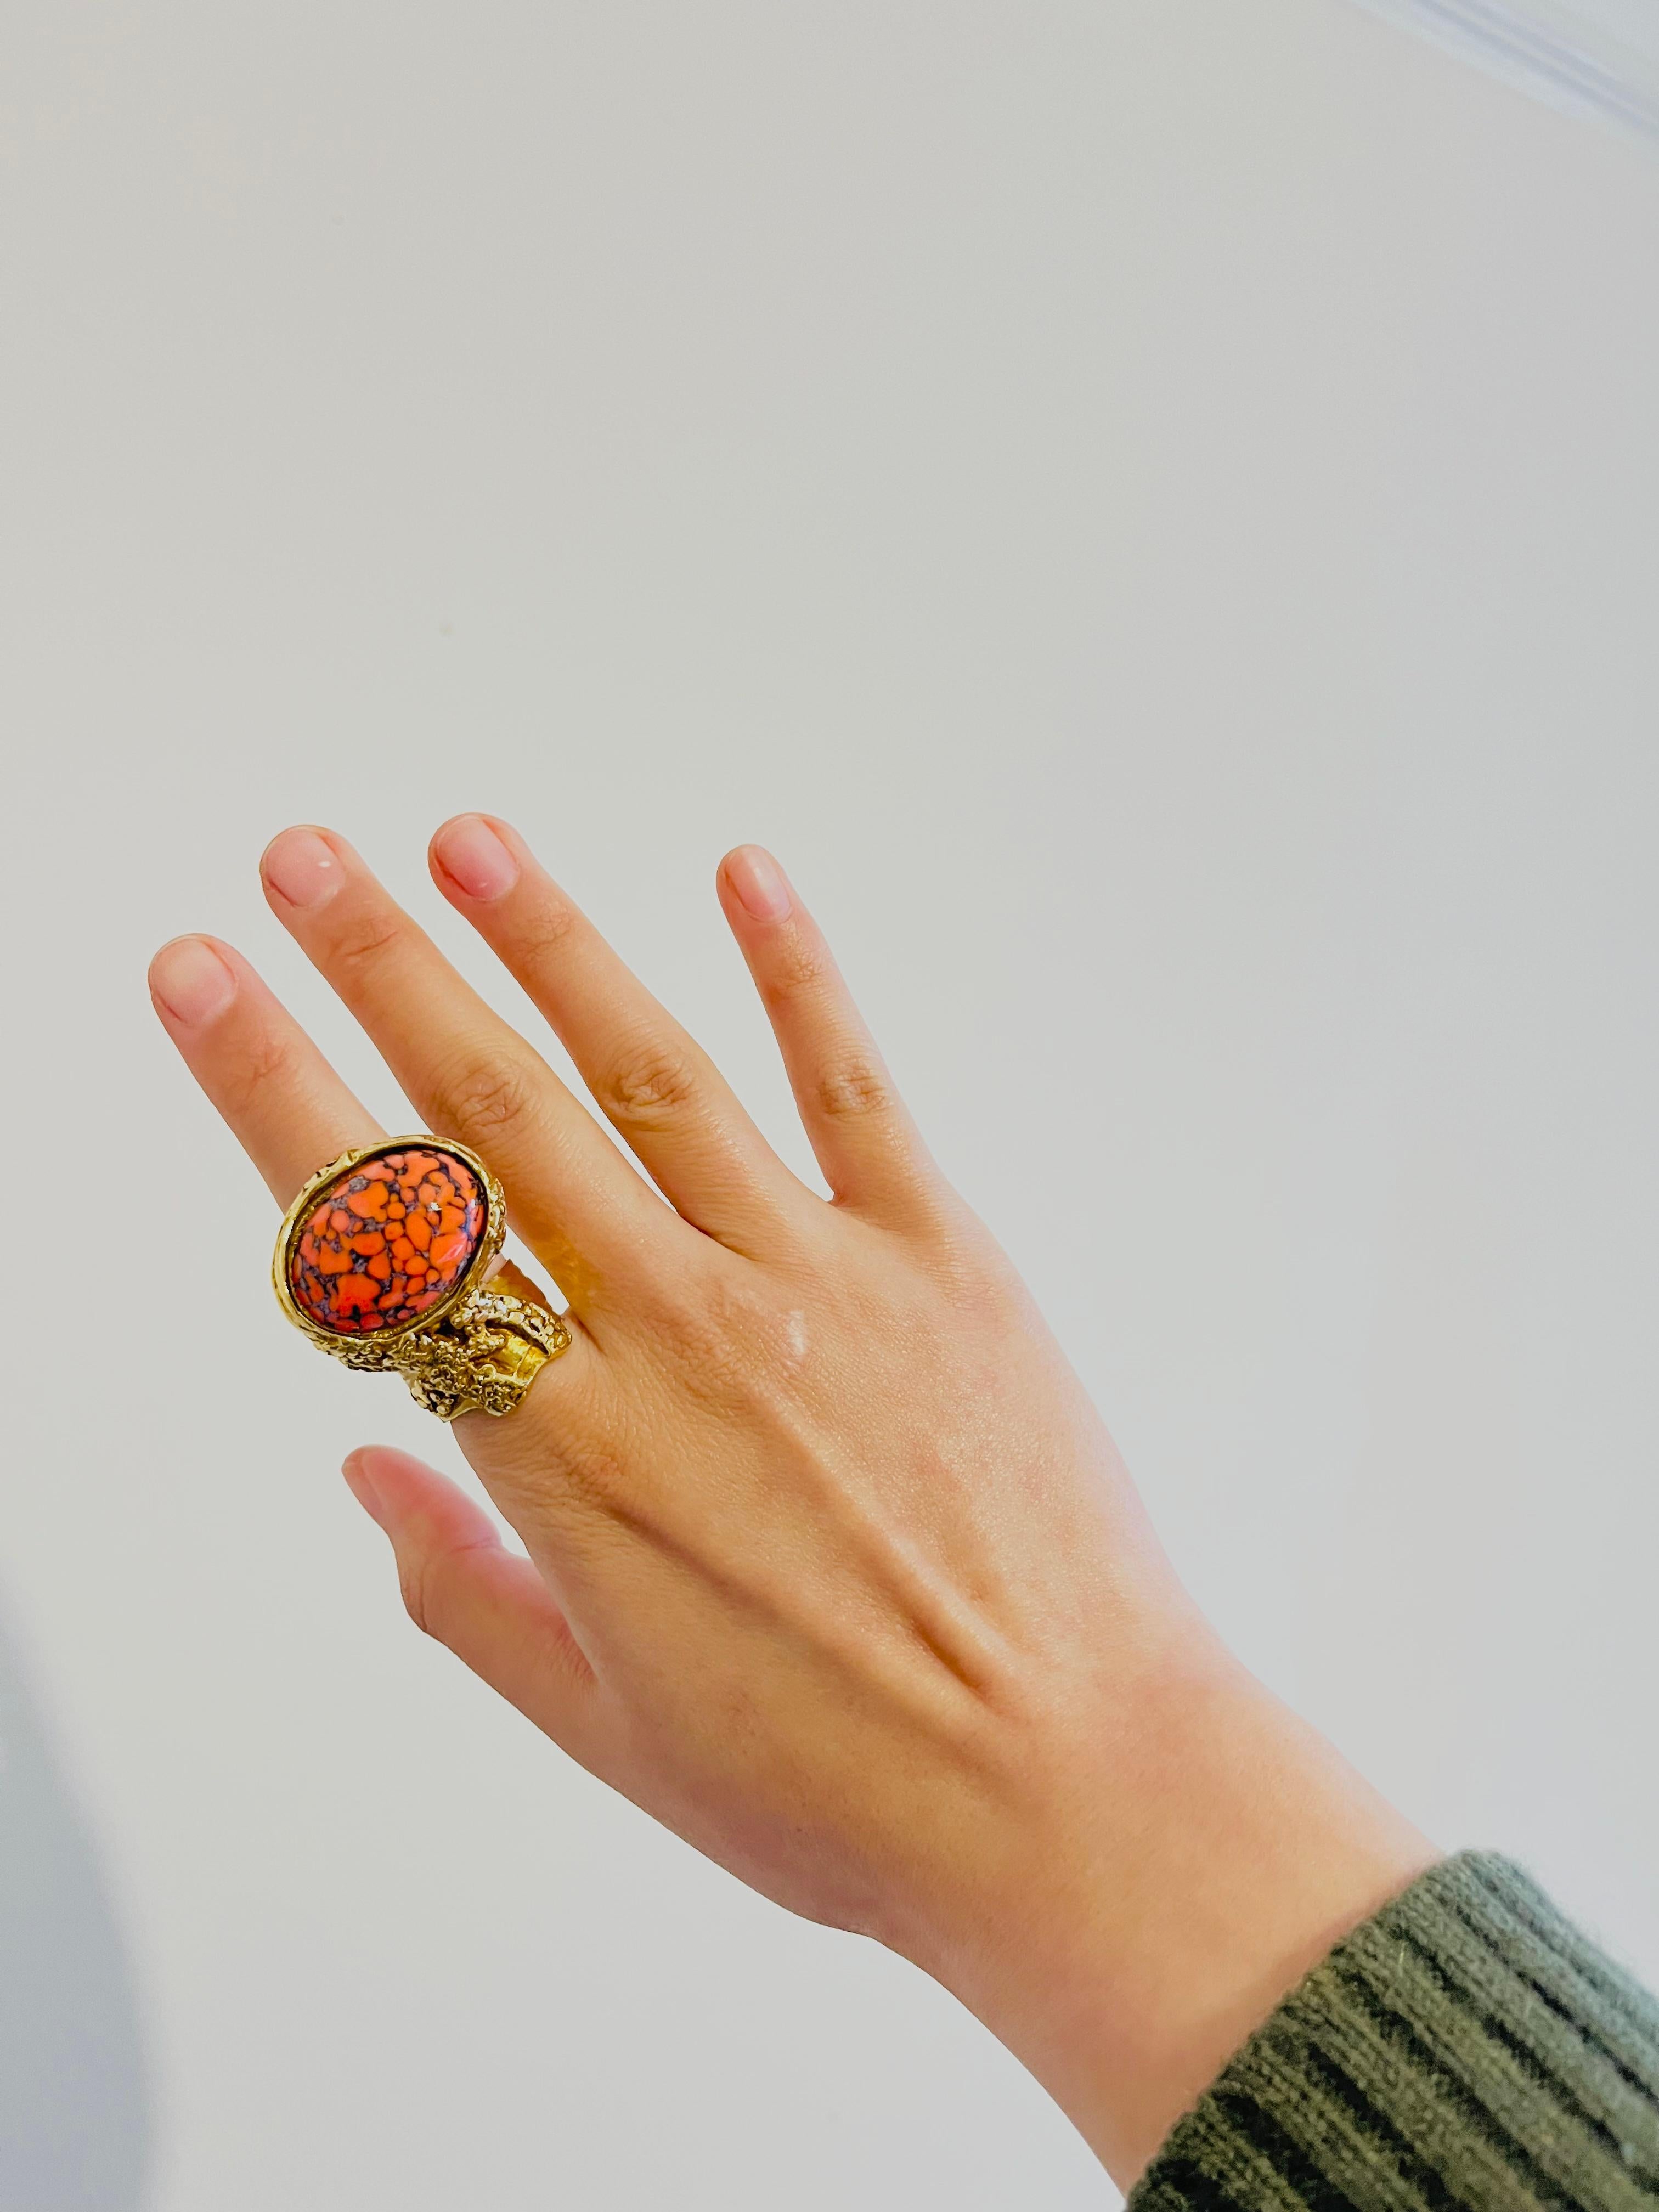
(1179, 1872)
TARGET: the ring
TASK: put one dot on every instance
(381, 1261)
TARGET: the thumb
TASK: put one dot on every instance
(464, 1588)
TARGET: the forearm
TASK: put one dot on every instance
(1159, 1915)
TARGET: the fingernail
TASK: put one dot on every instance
(469, 850)
(362, 1487)
(759, 882)
(301, 868)
(191, 982)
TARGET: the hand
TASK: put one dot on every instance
(832, 1567)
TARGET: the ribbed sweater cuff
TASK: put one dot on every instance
(1466, 2047)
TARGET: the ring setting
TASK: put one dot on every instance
(383, 1262)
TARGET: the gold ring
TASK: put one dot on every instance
(381, 1261)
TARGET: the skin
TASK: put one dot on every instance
(832, 1567)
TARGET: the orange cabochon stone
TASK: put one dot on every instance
(385, 1241)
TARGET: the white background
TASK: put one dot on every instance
(1150, 510)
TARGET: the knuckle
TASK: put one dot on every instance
(420, 1578)
(648, 1086)
(799, 972)
(358, 943)
(854, 1091)
(726, 1347)
(269, 1059)
(433, 1582)
(979, 1284)
(544, 939)
(595, 1474)
(484, 1098)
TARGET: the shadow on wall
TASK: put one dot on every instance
(74, 2103)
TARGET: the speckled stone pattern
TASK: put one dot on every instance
(385, 1241)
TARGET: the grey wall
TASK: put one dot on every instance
(1151, 508)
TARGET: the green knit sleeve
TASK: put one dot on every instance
(1468, 2050)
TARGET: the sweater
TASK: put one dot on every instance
(1466, 2049)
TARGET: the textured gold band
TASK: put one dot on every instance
(480, 1359)
(462, 1348)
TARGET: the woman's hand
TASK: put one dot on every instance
(832, 1567)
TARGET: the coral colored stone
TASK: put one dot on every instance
(347, 1277)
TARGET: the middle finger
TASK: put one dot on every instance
(654, 1084)
(574, 1199)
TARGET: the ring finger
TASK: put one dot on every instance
(281, 1099)
(292, 1113)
